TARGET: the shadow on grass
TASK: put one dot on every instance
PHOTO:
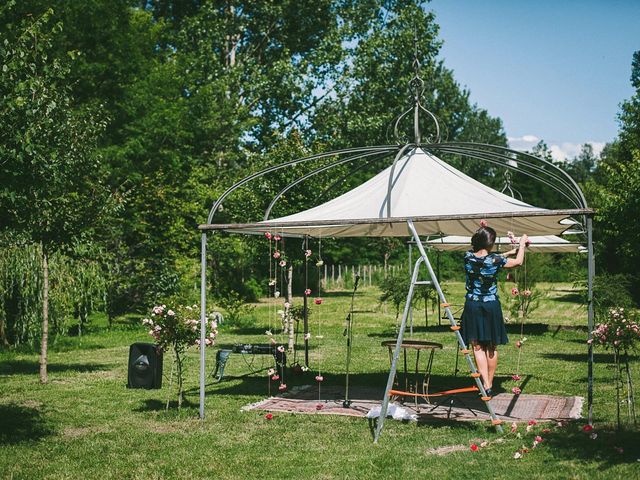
(580, 357)
(574, 444)
(366, 381)
(19, 424)
(531, 329)
(571, 297)
(155, 405)
(32, 367)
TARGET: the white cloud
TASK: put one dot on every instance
(568, 151)
(525, 142)
(560, 151)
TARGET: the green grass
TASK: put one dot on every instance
(86, 424)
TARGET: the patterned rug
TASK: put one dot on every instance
(464, 407)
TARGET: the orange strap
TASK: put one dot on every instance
(435, 394)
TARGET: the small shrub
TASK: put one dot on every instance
(237, 310)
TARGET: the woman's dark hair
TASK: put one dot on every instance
(484, 237)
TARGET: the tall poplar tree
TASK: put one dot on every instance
(51, 194)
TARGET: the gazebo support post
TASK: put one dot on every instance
(590, 314)
(203, 317)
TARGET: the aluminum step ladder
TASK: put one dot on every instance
(453, 325)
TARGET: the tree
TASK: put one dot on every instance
(615, 193)
(53, 196)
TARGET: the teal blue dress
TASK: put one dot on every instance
(482, 319)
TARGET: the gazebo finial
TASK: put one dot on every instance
(416, 87)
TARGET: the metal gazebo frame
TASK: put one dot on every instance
(538, 169)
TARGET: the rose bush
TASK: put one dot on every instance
(178, 328)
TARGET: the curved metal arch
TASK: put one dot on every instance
(479, 155)
(562, 173)
(274, 168)
(519, 160)
(349, 174)
(467, 152)
(578, 200)
(416, 125)
(508, 187)
(316, 172)
(533, 171)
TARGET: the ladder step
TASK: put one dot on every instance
(485, 399)
(455, 328)
(465, 351)
(423, 282)
(445, 305)
(496, 421)
(475, 375)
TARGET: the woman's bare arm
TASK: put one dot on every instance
(516, 262)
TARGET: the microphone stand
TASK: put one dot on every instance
(348, 332)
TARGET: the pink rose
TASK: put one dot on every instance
(527, 293)
(317, 301)
(282, 387)
(307, 253)
(319, 406)
(474, 447)
(283, 263)
(319, 378)
(276, 254)
(515, 291)
(268, 235)
(307, 292)
(484, 223)
(277, 238)
(515, 377)
(516, 391)
(269, 416)
(275, 378)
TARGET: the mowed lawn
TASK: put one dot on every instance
(86, 424)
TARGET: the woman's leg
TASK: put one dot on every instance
(480, 353)
(492, 363)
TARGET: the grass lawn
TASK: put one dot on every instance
(86, 424)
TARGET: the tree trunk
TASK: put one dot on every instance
(179, 374)
(45, 316)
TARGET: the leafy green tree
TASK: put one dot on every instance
(615, 192)
(53, 196)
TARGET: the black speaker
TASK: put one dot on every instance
(145, 366)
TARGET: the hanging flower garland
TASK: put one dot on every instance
(523, 297)
(277, 259)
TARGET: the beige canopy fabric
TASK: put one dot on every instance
(439, 199)
(539, 244)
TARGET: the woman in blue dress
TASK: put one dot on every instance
(482, 324)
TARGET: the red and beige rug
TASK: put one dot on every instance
(464, 407)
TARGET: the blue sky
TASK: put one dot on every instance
(551, 70)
